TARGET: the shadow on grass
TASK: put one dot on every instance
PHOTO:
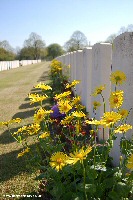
(25, 114)
(44, 76)
(6, 137)
(12, 166)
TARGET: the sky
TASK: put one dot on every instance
(56, 20)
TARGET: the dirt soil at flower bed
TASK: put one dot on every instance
(15, 85)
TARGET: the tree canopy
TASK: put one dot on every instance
(77, 41)
(35, 43)
(54, 50)
(6, 55)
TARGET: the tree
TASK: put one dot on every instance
(26, 53)
(6, 55)
(124, 29)
(111, 38)
(36, 43)
(77, 41)
(54, 50)
(5, 45)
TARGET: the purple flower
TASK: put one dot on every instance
(56, 113)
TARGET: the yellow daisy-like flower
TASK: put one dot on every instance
(33, 129)
(44, 135)
(116, 99)
(17, 120)
(78, 114)
(93, 122)
(37, 98)
(67, 120)
(75, 100)
(98, 90)
(78, 155)
(124, 113)
(21, 130)
(23, 152)
(43, 86)
(96, 104)
(117, 77)
(110, 118)
(64, 106)
(73, 84)
(123, 128)
(130, 162)
(58, 160)
(62, 95)
(79, 106)
(38, 117)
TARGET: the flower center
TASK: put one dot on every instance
(59, 161)
(115, 100)
(80, 156)
(39, 116)
(118, 78)
(110, 120)
(99, 91)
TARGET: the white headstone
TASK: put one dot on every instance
(101, 70)
(87, 78)
(122, 59)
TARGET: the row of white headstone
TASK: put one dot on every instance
(6, 65)
(93, 66)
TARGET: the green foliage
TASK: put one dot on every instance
(54, 50)
(6, 55)
(35, 44)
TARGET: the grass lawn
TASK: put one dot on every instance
(15, 84)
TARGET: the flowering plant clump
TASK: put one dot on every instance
(71, 159)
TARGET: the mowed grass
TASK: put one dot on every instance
(15, 85)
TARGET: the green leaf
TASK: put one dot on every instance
(58, 190)
(91, 173)
(40, 177)
(114, 196)
(91, 188)
(108, 182)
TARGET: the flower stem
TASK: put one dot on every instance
(86, 198)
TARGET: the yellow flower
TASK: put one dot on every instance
(43, 86)
(33, 129)
(130, 162)
(41, 113)
(78, 114)
(44, 135)
(98, 90)
(64, 106)
(73, 84)
(38, 117)
(17, 120)
(110, 118)
(118, 77)
(93, 122)
(79, 106)
(78, 156)
(96, 104)
(62, 95)
(123, 128)
(36, 98)
(23, 152)
(75, 100)
(58, 160)
(116, 99)
(124, 113)
(67, 120)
